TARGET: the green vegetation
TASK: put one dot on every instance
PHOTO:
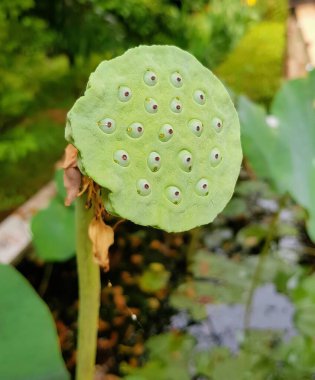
(281, 146)
(264, 237)
(255, 67)
(29, 152)
(29, 345)
(47, 50)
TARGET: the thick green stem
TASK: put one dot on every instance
(89, 294)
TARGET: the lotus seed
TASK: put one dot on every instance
(199, 97)
(166, 132)
(185, 160)
(143, 187)
(202, 187)
(121, 157)
(217, 124)
(135, 130)
(176, 105)
(154, 161)
(151, 105)
(124, 93)
(150, 78)
(173, 194)
(107, 125)
(195, 126)
(176, 79)
(215, 157)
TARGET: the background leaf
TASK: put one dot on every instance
(29, 344)
(282, 147)
(53, 228)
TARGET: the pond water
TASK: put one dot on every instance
(224, 325)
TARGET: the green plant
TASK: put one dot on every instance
(158, 132)
(53, 231)
(27, 157)
(280, 146)
(262, 356)
(212, 31)
(23, 61)
(29, 343)
(254, 72)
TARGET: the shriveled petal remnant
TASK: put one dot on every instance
(72, 176)
(71, 154)
(102, 237)
(100, 234)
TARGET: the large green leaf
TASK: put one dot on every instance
(28, 340)
(282, 148)
(53, 228)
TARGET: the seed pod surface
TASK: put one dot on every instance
(158, 131)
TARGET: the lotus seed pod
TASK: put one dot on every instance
(159, 133)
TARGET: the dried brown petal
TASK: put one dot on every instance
(72, 183)
(71, 154)
(102, 237)
(72, 175)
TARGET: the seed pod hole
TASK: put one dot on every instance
(195, 126)
(202, 187)
(199, 97)
(135, 130)
(107, 125)
(151, 105)
(215, 157)
(150, 78)
(185, 160)
(166, 132)
(143, 187)
(124, 93)
(176, 105)
(154, 161)
(174, 194)
(217, 124)
(122, 158)
(176, 79)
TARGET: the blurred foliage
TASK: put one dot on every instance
(208, 29)
(29, 343)
(48, 49)
(23, 62)
(170, 358)
(281, 147)
(254, 71)
(53, 230)
(261, 357)
(217, 279)
(274, 10)
(24, 175)
(213, 31)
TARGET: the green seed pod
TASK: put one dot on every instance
(158, 131)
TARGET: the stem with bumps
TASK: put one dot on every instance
(89, 294)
